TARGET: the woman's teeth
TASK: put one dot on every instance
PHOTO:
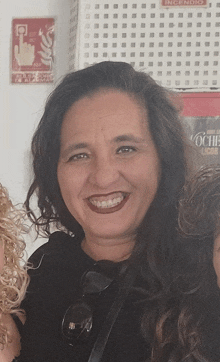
(107, 203)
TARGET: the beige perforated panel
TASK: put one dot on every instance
(179, 47)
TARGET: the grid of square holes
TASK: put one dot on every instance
(178, 47)
(74, 21)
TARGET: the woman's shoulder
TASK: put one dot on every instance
(50, 266)
(58, 244)
(61, 254)
(57, 240)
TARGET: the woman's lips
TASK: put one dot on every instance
(106, 204)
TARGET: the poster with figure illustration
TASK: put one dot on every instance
(32, 50)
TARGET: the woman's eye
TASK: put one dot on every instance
(79, 156)
(126, 149)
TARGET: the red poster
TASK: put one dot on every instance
(201, 120)
(184, 3)
(32, 50)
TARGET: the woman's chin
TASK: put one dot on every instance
(110, 235)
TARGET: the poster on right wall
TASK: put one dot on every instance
(204, 132)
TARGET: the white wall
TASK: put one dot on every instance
(21, 105)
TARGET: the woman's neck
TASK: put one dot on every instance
(108, 250)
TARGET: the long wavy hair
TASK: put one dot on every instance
(199, 212)
(165, 263)
(199, 224)
(13, 277)
(183, 321)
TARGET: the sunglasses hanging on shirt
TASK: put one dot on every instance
(78, 319)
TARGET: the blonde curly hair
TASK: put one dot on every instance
(13, 277)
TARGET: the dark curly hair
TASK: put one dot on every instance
(199, 212)
(183, 321)
(199, 221)
(199, 224)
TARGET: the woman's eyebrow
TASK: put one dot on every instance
(73, 147)
(128, 137)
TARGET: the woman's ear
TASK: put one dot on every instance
(216, 258)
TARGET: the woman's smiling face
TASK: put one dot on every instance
(109, 169)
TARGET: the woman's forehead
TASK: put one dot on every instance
(111, 109)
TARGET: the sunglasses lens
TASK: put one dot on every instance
(94, 282)
(77, 322)
(100, 277)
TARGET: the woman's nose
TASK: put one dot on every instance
(104, 172)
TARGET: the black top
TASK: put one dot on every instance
(18, 323)
(58, 267)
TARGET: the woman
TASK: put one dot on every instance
(13, 279)
(109, 165)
